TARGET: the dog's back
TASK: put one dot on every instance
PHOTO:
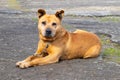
(82, 44)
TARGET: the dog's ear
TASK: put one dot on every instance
(41, 12)
(59, 14)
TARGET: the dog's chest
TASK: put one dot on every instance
(65, 55)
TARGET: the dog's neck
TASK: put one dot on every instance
(61, 33)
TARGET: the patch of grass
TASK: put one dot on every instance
(14, 4)
(112, 54)
(71, 15)
(68, 27)
(111, 50)
(109, 19)
(35, 19)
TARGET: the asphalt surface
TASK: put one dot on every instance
(19, 38)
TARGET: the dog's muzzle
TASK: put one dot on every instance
(48, 32)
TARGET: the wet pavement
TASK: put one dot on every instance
(19, 37)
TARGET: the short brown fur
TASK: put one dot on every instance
(61, 44)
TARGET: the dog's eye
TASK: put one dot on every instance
(43, 23)
(54, 24)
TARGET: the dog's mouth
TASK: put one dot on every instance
(48, 33)
(48, 36)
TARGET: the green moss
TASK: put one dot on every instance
(71, 15)
(105, 39)
(109, 19)
(35, 19)
(111, 50)
(68, 27)
(14, 4)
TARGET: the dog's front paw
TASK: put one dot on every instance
(23, 64)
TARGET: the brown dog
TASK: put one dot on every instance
(56, 43)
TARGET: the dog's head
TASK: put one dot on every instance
(49, 25)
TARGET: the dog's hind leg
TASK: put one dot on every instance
(92, 52)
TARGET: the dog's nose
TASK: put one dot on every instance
(48, 31)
